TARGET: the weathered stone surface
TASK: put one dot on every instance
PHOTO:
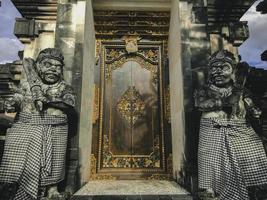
(25, 28)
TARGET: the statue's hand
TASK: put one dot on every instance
(39, 105)
(52, 99)
(10, 104)
(254, 111)
(232, 100)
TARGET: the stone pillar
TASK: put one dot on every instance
(176, 90)
(87, 43)
(75, 36)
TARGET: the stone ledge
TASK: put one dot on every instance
(132, 190)
(133, 197)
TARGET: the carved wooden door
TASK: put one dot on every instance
(131, 121)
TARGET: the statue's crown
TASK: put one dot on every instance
(222, 55)
(52, 53)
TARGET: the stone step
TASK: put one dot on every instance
(132, 190)
(132, 197)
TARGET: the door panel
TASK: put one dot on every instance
(131, 131)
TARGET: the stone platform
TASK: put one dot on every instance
(131, 190)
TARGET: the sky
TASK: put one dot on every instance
(9, 44)
(253, 47)
(250, 50)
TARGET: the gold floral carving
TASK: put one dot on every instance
(147, 58)
(143, 63)
(110, 161)
(152, 161)
(149, 55)
(93, 172)
(166, 176)
(131, 106)
(114, 54)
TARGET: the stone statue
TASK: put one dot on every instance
(231, 157)
(35, 147)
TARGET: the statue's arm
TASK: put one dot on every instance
(250, 106)
(205, 103)
(67, 100)
(12, 104)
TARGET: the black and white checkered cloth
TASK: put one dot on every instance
(34, 153)
(231, 157)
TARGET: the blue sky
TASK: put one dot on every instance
(250, 50)
(9, 44)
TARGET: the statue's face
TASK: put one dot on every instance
(221, 73)
(49, 70)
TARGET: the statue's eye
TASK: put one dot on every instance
(46, 64)
(213, 69)
(225, 67)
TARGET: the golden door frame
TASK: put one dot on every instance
(145, 59)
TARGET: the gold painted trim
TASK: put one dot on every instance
(102, 78)
(96, 104)
(167, 104)
(161, 107)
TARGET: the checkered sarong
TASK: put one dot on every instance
(231, 157)
(34, 153)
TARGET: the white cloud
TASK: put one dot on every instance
(9, 49)
(252, 48)
(9, 44)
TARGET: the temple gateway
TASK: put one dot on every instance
(133, 65)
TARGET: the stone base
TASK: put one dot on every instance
(131, 190)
